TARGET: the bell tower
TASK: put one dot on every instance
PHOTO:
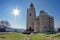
(30, 17)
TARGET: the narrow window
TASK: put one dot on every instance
(30, 14)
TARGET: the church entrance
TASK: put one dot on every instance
(30, 29)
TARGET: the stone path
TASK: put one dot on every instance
(28, 37)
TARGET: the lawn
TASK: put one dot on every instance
(20, 36)
(13, 36)
(43, 36)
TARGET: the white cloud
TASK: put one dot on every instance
(57, 26)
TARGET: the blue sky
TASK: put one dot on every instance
(52, 7)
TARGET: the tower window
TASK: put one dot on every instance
(30, 14)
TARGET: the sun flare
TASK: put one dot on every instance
(16, 12)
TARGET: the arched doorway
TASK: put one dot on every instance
(30, 29)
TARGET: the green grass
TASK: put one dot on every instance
(13, 36)
(43, 36)
(38, 37)
(20, 36)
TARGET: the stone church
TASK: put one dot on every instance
(41, 23)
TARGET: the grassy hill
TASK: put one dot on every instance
(20, 36)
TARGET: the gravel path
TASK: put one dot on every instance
(28, 37)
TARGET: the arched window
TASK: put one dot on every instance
(30, 14)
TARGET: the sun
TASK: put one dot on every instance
(16, 11)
